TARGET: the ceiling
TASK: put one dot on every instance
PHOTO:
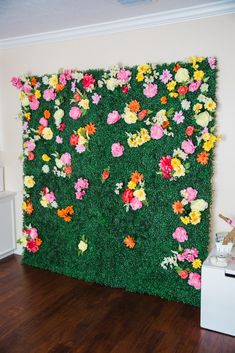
(28, 17)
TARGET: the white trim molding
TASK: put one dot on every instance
(127, 24)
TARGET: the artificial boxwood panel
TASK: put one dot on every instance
(100, 219)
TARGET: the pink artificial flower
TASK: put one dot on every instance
(43, 122)
(62, 79)
(16, 82)
(188, 146)
(117, 149)
(66, 158)
(80, 148)
(81, 184)
(178, 117)
(50, 197)
(25, 126)
(75, 113)
(124, 75)
(49, 94)
(31, 246)
(113, 117)
(188, 254)
(194, 86)
(191, 194)
(136, 204)
(79, 194)
(150, 90)
(59, 139)
(166, 167)
(156, 132)
(212, 62)
(180, 234)
(95, 98)
(195, 280)
(165, 76)
(88, 81)
(33, 233)
(26, 88)
(34, 104)
(30, 145)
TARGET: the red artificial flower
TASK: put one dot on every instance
(125, 89)
(77, 97)
(88, 81)
(190, 130)
(127, 195)
(142, 114)
(68, 170)
(183, 274)
(31, 156)
(105, 175)
(62, 127)
(73, 140)
(32, 246)
(182, 89)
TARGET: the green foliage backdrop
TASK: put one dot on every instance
(100, 219)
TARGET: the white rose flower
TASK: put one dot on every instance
(82, 246)
(59, 114)
(45, 80)
(203, 119)
(182, 75)
(204, 87)
(58, 163)
(199, 205)
(45, 169)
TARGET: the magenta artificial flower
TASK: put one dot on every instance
(212, 62)
(180, 234)
(188, 146)
(31, 246)
(88, 81)
(117, 149)
(166, 167)
(136, 204)
(43, 122)
(49, 94)
(66, 158)
(165, 76)
(188, 255)
(191, 194)
(34, 104)
(75, 113)
(156, 132)
(113, 117)
(62, 79)
(124, 75)
(178, 117)
(16, 82)
(80, 148)
(194, 280)
(150, 90)
(96, 98)
(26, 87)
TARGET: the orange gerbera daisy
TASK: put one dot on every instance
(90, 129)
(38, 241)
(29, 207)
(66, 213)
(134, 106)
(136, 177)
(178, 207)
(165, 124)
(177, 67)
(164, 100)
(59, 87)
(33, 81)
(203, 157)
(129, 241)
(46, 114)
(40, 129)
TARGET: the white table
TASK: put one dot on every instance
(218, 296)
(7, 223)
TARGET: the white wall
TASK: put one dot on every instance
(214, 36)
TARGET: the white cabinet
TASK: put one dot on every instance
(7, 223)
(217, 296)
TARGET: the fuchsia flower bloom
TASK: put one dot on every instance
(113, 117)
(194, 280)
(194, 86)
(75, 113)
(117, 149)
(50, 197)
(49, 94)
(62, 79)
(124, 75)
(188, 147)
(188, 254)
(166, 167)
(150, 90)
(79, 194)
(31, 246)
(136, 204)
(16, 82)
(180, 234)
(34, 104)
(88, 81)
(165, 76)
(59, 139)
(80, 148)
(33, 233)
(26, 87)
(156, 132)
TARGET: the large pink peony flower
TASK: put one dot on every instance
(150, 90)
(81, 184)
(34, 104)
(75, 113)
(113, 117)
(66, 158)
(49, 94)
(156, 132)
(188, 146)
(194, 280)
(135, 203)
(43, 122)
(117, 149)
(30, 145)
(124, 75)
(180, 234)
(191, 194)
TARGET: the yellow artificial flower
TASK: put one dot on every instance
(46, 158)
(140, 194)
(44, 202)
(84, 103)
(197, 107)
(206, 136)
(194, 60)
(212, 138)
(131, 185)
(195, 217)
(81, 131)
(198, 75)
(185, 220)
(53, 81)
(179, 171)
(132, 143)
(47, 133)
(23, 241)
(21, 95)
(27, 116)
(82, 140)
(208, 145)
(175, 162)
(144, 132)
(140, 77)
(130, 117)
(197, 263)
(171, 85)
(140, 140)
(210, 105)
(37, 94)
(24, 205)
(146, 138)
(173, 94)
(29, 181)
(144, 69)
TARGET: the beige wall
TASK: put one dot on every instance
(214, 36)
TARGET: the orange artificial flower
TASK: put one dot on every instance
(134, 106)
(129, 241)
(46, 114)
(203, 157)
(33, 81)
(66, 213)
(59, 87)
(178, 207)
(38, 241)
(40, 129)
(176, 67)
(164, 100)
(165, 124)
(136, 177)
(29, 207)
(90, 129)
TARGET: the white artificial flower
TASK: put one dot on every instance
(45, 80)
(203, 119)
(100, 84)
(185, 104)
(182, 75)
(181, 154)
(201, 98)
(57, 102)
(111, 84)
(204, 87)
(149, 79)
(45, 169)
(199, 205)
(82, 246)
(170, 261)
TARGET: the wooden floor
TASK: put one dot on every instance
(42, 312)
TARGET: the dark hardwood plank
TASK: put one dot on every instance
(43, 312)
